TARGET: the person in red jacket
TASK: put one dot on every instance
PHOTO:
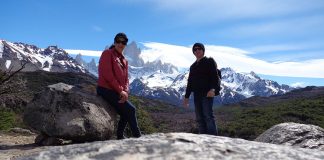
(113, 85)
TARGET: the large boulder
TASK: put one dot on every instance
(71, 113)
(294, 134)
(177, 146)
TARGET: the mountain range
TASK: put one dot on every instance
(52, 58)
(166, 82)
(156, 79)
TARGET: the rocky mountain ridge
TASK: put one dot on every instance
(309, 92)
(52, 58)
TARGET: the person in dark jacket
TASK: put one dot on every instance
(113, 85)
(203, 81)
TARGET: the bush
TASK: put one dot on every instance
(144, 120)
(250, 122)
(7, 119)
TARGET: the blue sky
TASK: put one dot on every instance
(289, 33)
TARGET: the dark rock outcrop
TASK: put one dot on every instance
(71, 113)
(178, 146)
(294, 134)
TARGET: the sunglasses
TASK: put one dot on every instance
(198, 48)
(121, 41)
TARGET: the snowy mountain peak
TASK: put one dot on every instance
(254, 75)
(55, 51)
(52, 58)
(235, 86)
(27, 47)
(132, 53)
(91, 66)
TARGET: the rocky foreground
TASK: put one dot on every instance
(177, 146)
(13, 145)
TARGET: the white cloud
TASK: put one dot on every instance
(84, 52)
(235, 58)
(233, 9)
(298, 26)
(298, 84)
(179, 55)
(280, 47)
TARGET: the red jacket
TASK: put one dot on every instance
(113, 71)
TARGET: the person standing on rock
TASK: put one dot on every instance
(113, 85)
(204, 82)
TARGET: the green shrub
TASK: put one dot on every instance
(249, 122)
(7, 119)
(144, 120)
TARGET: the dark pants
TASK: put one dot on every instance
(204, 114)
(126, 110)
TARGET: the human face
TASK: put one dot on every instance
(120, 45)
(198, 52)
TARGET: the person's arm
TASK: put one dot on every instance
(126, 88)
(189, 86)
(125, 93)
(123, 97)
(214, 80)
(188, 91)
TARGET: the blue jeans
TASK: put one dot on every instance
(126, 110)
(204, 114)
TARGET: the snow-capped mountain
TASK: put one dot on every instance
(51, 59)
(133, 53)
(250, 84)
(165, 82)
(235, 86)
(92, 66)
(154, 79)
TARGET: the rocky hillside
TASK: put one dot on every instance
(157, 116)
(245, 121)
(37, 80)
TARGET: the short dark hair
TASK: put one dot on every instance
(121, 35)
(200, 45)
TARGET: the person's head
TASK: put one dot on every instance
(120, 42)
(198, 50)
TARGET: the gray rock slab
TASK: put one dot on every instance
(294, 134)
(184, 146)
